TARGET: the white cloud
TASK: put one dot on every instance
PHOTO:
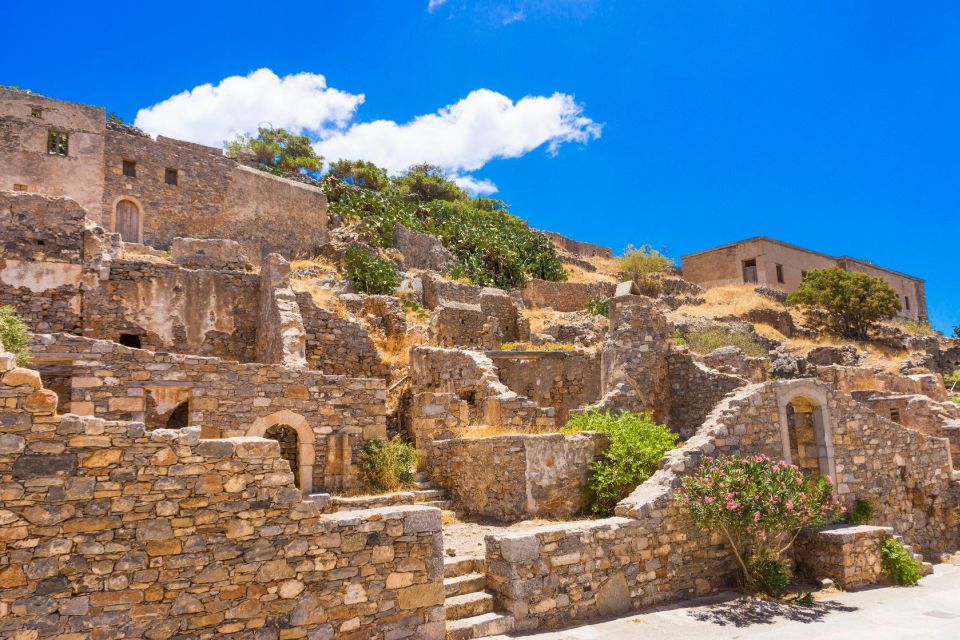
(433, 4)
(210, 114)
(474, 186)
(465, 136)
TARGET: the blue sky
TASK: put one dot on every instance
(679, 124)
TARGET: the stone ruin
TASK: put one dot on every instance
(181, 457)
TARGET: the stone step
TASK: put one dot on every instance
(423, 495)
(461, 566)
(468, 605)
(486, 624)
(445, 505)
(467, 583)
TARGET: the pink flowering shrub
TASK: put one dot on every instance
(760, 506)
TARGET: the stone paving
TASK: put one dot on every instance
(930, 611)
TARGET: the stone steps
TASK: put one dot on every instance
(486, 624)
(461, 565)
(467, 583)
(468, 605)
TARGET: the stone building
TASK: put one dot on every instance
(152, 190)
(773, 263)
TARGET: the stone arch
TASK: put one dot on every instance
(139, 223)
(806, 427)
(306, 442)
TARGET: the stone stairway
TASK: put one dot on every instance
(469, 607)
(423, 492)
(927, 566)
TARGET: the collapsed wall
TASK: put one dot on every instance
(160, 534)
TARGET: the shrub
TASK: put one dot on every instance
(643, 266)
(387, 465)
(360, 173)
(15, 335)
(369, 273)
(599, 306)
(861, 512)
(849, 303)
(952, 378)
(706, 340)
(278, 151)
(897, 563)
(918, 328)
(760, 506)
(678, 337)
(770, 575)
(956, 331)
(637, 444)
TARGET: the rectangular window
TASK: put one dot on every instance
(58, 143)
(750, 270)
(906, 299)
(895, 414)
(780, 273)
(36, 112)
(170, 176)
(19, 187)
(130, 168)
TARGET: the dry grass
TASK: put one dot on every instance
(733, 299)
(581, 275)
(324, 297)
(318, 262)
(538, 317)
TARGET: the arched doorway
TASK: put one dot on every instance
(289, 447)
(127, 220)
(802, 435)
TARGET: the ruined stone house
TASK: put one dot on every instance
(780, 265)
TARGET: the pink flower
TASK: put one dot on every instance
(756, 516)
(789, 504)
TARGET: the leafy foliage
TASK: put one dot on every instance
(898, 564)
(112, 117)
(360, 173)
(387, 465)
(861, 512)
(918, 328)
(956, 331)
(706, 340)
(636, 445)
(425, 182)
(599, 306)
(644, 266)
(760, 506)
(851, 303)
(952, 378)
(278, 151)
(492, 246)
(769, 575)
(369, 273)
(14, 335)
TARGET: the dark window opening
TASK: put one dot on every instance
(289, 447)
(803, 274)
(19, 187)
(170, 176)
(130, 168)
(180, 416)
(41, 243)
(895, 414)
(58, 143)
(36, 112)
(130, 340)
(750, 270)
(906, 299)
(780, 274)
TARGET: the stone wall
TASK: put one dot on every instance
(197, 253)
(212, 313)
(850, 379)
(338, 346)
(421, 250)
(40, 262)
(940, 419)
(577, 248)
(694, 391)
(734, 361)
(563, 380)
(457, 324)
(281, 337)
(848, 555)
(333, 416)
(515, 477)
(214, 197)
(651, 553)
(564, 296)
(161, 534)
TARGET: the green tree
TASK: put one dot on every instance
(846, 303)
(956, 331)
(14, 335)
(360, 173)
(369, 273)
(425, 182)
(644, 266)
(278, 151)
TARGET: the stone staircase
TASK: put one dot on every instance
(927, 566)
(424, 492)
(469, 607)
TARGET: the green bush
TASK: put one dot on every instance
(599, 306)
(369, 273)
(846, 303)
(759, 506)
(15, 335)
(861, 513)
(679, 339)
(897, 563)
(636, 445)
(918, 328)
(492, 246)
(387, 465)
(707, 340)
(952, 378)
(644, 266)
